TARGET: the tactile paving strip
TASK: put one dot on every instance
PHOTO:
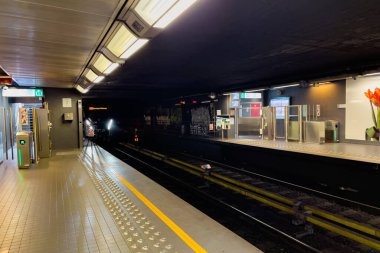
(54, 208)
(138, 230)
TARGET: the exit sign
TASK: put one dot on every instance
(23, 93)
(39, 93)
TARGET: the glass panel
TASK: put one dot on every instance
(293, 123)
(267, 123)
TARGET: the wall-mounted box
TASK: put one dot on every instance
(68, 116)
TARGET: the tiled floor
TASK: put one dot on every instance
(209, 234)
(356, 152)
(54, 208)
(76, 202)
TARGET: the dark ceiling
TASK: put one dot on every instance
(226, 44)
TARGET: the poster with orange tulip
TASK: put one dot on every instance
(374, 100)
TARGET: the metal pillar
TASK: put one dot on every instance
(286, 122)
(300, 122)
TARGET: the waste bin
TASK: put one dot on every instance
(24, 149)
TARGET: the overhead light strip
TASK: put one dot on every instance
(173, 13)
(285, 86)
(153, 10)
(257, 90)
(372, 74)
(123, 43)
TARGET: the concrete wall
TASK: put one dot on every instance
(326, 95)
(64, 135)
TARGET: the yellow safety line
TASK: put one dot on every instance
(324, 224)
(321, 213)
(176, 229)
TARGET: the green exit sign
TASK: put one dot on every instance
(38, 93)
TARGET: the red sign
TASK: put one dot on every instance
(5, 80)
(255, 109)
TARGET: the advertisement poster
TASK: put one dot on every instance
(23, 116)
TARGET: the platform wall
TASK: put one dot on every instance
(327, 95)
(358, 111)
(64, 135)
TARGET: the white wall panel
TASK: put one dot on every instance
(358, 111)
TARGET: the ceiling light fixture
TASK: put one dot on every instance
(104, 65)
(372, 74)
(255, 90)
(91, 76)
(123, 44)
(160, 13)
(81, 90)
(285, 86)
(99, 79)
(173, 13)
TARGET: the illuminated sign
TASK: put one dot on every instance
(38, 93)
(250, 95)
(23, 93)
(5, 80)
(97, 108)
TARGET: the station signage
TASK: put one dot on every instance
(23, 93)
(97, 108)
(256, 95)
(5, 80)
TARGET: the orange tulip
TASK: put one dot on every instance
(374, 97)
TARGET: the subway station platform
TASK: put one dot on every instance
(349, 151)
(90, 201)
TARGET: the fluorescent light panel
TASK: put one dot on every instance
(124, 43)
(173, 13)
(81, 90)
(104, 65)
(285, 86)
(109, 125)
(160, 13)
(152, 10)
(134, 48)
(255, 90)
(91, 76)
(99, 79)
(373, 74)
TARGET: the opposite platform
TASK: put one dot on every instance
(348, 151)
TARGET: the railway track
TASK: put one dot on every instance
(305, 209)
